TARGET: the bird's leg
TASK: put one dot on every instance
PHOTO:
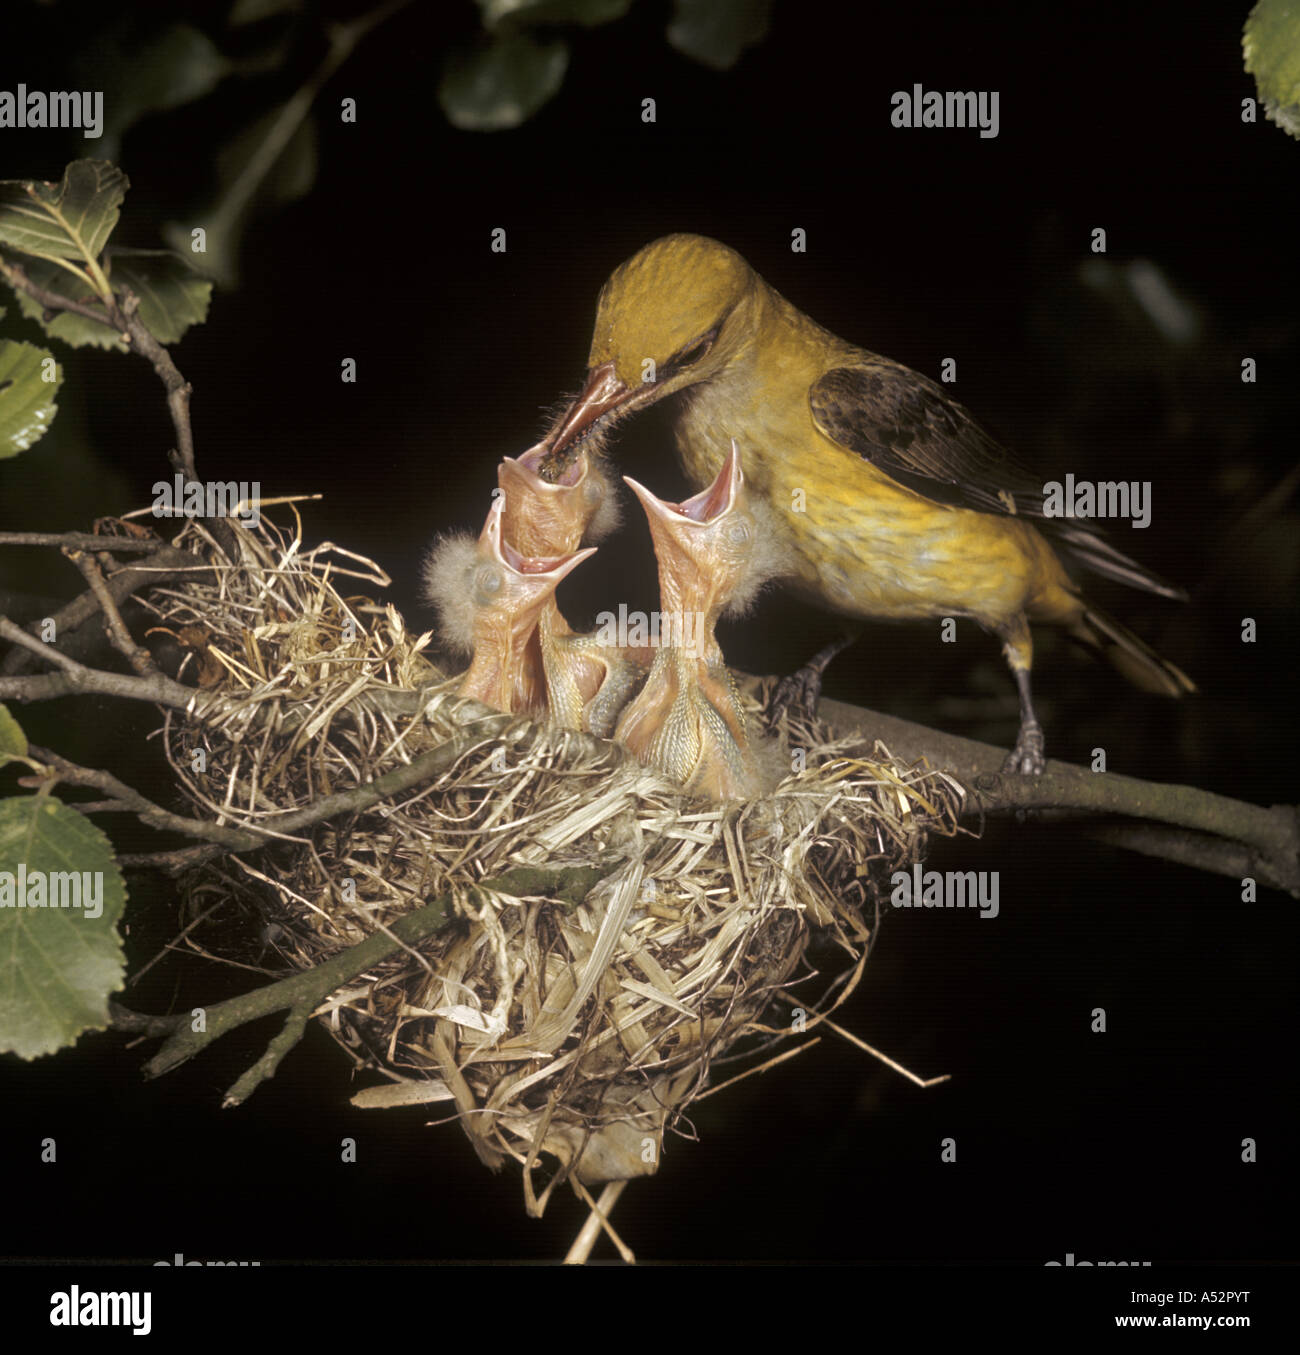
(801, 691)
(1028, 756)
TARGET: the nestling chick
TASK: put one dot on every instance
(587, 682)
(489, 597)
(549, 518)
(714, 552)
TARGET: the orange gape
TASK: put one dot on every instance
(891, 500)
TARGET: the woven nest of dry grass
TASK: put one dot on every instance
(561, 1020)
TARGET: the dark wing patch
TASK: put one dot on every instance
(907, 427)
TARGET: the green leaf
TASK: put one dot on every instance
(68, 220)
(1271, 47)
(172, 296)
(500, 85)
(27, 403)
(716, 32)
(589, 13)
(75, 330)
(13, 742)
(143, 72)
(58, 965)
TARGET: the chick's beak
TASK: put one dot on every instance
(529, 574)
(705, 508)
(543, 517)
(720, 497)
(698, 564)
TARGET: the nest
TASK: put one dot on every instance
(606, 938)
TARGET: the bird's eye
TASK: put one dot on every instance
(488, 581)
(737, 531)
(692, 353)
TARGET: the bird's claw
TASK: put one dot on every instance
(1028, 757)
(796, 695)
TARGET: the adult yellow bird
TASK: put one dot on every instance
(894, 502)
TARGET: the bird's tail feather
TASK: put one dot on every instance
(1129, 655)
(1088, 548)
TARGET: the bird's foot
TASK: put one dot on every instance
(796, 695)
(1028, 757)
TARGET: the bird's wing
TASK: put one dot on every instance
(908, 428)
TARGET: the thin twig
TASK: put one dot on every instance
(155, 816)
(85, 541)
(136, 655)
(166, 562)
(1269, 836)
(74, 677)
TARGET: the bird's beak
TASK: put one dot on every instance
(534, 574)
(542, 517)
(720, 497)
(706, 507)
(602, 394)
(697, 569)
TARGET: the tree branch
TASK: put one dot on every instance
(166, 562)
(74, 677)
(1228, 836)
(123, 319)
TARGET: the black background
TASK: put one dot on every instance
(922, 244)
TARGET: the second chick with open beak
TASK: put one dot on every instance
(687, 719)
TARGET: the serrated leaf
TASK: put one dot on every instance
(172, 295)
(75, 330)
(12, 739)
(1270, 46)
(27, 401)
(58, 965)
(501, 84)
(716, 32)
(68, 220)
